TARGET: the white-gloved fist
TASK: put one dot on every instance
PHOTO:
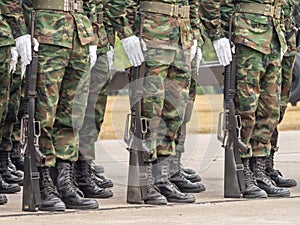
(198, 59)
(93, 55)
(193, 50)
(223, 50)
(132, 46)
(110, 57)
(23, 45)
(13, 59)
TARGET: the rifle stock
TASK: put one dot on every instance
(30, 131)
(136, 127)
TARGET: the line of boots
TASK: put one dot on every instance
(257, 183)
(74, 187)
(166, 183)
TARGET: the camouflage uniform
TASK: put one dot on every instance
(287, 65)
(259, 39)
(99, 85)
(64, 38)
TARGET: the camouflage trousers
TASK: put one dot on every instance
(95, 110)
(62, 89)
(258, 84)
(11, 118)
(5, 56)
(181, 134)
(165, 89)
(286, 83)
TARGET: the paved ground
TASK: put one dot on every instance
(205, 155)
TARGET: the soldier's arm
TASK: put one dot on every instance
(194, 18)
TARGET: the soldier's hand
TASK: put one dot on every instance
(223, 50)
(13, 60)
(110, 57)
(133, 49)
(23, 44)
(193, 50)
(93, 55)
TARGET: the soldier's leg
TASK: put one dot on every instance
(286, 82)
(166, 103)
(8, 170)
(248, 69)
(176, 173)
(88, 134)
(6, 176)
(73, 93)
(49, 79)
(267, 116)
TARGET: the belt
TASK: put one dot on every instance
(60, 5)
(257, 8)
(174, 10)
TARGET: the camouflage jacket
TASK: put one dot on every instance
(251, 29)
(56, 27)
(159, 30)
(12, 23)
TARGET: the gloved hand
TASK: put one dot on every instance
(198, 59)
(93, 55)
(23, 44)
(110, 57)
(223, 50)
(133, 49)
(13, 59)
(193, 50)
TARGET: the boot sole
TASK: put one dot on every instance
(156, 202)
(81, 207)
(99, 196)
(285, 195)
(53, 209)
(255, 196)
(192, 190)
(11, 191)
(181, 200)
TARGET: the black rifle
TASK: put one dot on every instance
(135, 133)
(30, 132)
(229, 134)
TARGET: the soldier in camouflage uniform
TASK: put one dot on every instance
(168, 30)
(94, 114)
(286, 83)
(259, 42)
(13, 31)
(66, 39)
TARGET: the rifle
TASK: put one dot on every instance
(30, 132)
(229, 132)
(135, 132)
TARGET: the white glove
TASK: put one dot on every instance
(199, 58)
(23, 45)
(193, 50)
(133, 49)
(13, 59)
(93, 55)
(110, 57)
(223, 50)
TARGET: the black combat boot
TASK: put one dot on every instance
(16, 157)
(177, 178)
(8, 188)
(154, 197)
(276, 175)
(169, 190)
(13, 169)
(69, 193)
(193, 177)
(5, 171)
(97, 167)
(251, 188)
(258, 166)
(50, 200)
(100, 180)
(85, 180)
(3, 199)
(187, 170)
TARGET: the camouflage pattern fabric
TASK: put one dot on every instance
(13, 108)
(95, 110)
(258, 80)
